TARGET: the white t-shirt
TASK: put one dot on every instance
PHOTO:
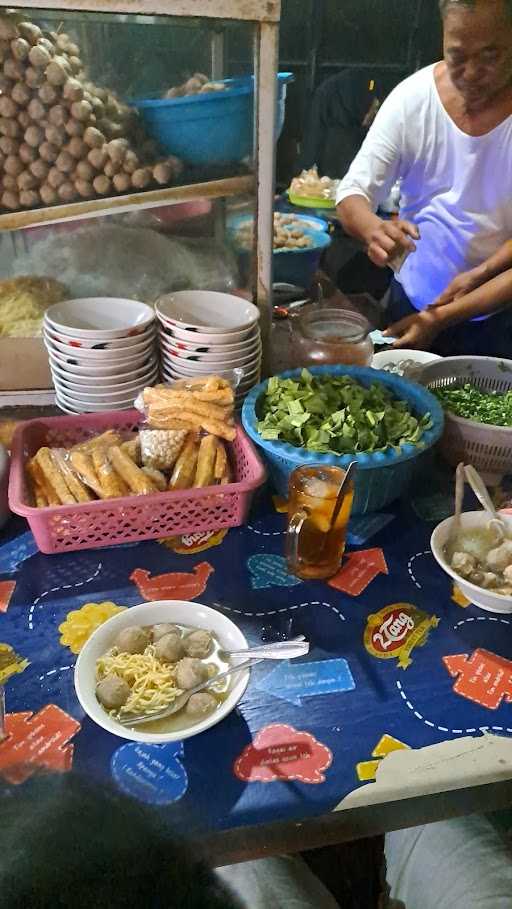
(456, 188)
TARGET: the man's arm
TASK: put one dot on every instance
(469, 280)
(418, 331)
(370, 178)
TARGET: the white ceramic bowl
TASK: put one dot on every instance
(107, 392)
(82, 353)
(73, 406)
(204, 367)
(121, 344)
(72, 365)
(421, 357)
(207, 311)
(214, 360)
(70, 375)
(169, 337)
(233, 337)
(485, 599)
(214, 356)
(195, 615)
(101, 317)
(173, 372)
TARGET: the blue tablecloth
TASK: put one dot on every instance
(305, 735)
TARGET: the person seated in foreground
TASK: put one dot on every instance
(66, 843)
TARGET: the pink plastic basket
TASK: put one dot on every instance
(65, 528)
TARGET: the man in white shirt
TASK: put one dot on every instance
(446, 132)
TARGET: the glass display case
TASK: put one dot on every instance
(135, 114)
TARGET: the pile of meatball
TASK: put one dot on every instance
(187, 651)
(63, 138)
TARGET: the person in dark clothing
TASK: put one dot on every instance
(342, 111)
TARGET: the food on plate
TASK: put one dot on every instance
(146, 669)
(190, 672)
(483, 556)
(198, 644)
(64, 138)
(288, 234)
(309, 185)
(198, 84)
(338, 415)
(159, 631)
(23, 303)
(408, 368)
(200, 705)
(490, 407)
(169, 648)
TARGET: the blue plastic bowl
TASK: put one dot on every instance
(212, 128)
(291, 266)
(382, 476)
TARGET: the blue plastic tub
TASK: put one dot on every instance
(382, 476)
(212, 128)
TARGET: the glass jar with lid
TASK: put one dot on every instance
(331, 336)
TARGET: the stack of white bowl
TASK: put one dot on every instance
(204, 332)
(102, 352)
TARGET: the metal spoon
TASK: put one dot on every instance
(181, 700)
(280, 650)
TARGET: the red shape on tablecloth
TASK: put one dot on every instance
(359, 570)
(37, 742)
(6, 592)
(280, 752)
(177, 585)
(483, 677)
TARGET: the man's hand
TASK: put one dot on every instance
(460, 286)
(415, 332)
(389, 239)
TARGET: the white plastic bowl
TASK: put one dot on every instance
(101, 317)
(194, 615)
(214, 360)
(207, 311)
(485, 599)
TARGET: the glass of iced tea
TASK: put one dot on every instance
(314, 548)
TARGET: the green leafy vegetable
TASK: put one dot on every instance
(337, 415)
(489, 407)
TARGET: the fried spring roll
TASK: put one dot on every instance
(54, 476)
(185, 467)
(206, 461)
(221, 461)
(138, 482)
(82, 463)
(112, 485)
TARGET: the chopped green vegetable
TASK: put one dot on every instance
(489, 407)
(337, 415)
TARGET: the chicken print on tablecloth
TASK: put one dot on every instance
(175, 585)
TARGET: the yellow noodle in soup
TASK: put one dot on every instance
(152, 683)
